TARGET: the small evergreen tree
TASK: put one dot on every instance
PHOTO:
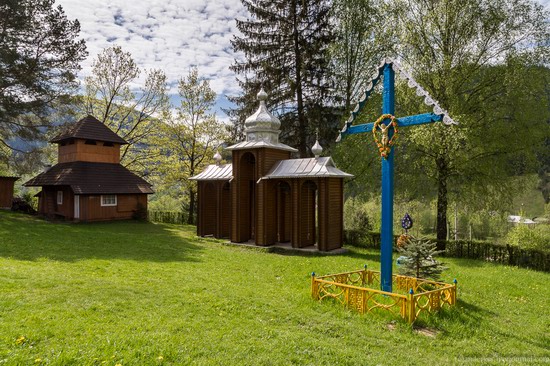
(420, 261)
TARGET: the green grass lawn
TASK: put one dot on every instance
(135, 293)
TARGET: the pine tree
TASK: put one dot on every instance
(39, 58)
(285, 46)
(420, 259)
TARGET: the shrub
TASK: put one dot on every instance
(526, 237)
(355, 217)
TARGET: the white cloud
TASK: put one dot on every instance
(172, 35)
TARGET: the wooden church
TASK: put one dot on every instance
(265, 197)
(88, 183)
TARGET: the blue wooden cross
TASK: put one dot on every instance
(388, 107)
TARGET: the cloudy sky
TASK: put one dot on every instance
(173, 35)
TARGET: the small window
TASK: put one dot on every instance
(108, 200)
(59, 197)
(110, 144)
(90, 142)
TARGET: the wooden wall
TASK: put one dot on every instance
(253, 204)
(6, 191)
(225, 210)
(127, 205)
(80, 151)
(307, 222)
(214, 216)
(243, 195)
(284, 212)
(47, 203)
(306, 212)
(331, 213)
(90, 205)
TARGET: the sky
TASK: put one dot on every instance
(173, 35)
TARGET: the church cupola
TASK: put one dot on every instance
(262, 125)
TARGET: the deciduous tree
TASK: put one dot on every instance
(190, 137)
(468, 54)
(132, 114)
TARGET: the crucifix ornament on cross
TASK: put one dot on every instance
(387, 127)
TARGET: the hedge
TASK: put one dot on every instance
(487, 251)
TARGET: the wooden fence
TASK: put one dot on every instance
(504, 254)
(167, 217)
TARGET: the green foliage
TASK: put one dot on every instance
(130, 292)
(530, 237)
(166, 200)
(133, 116)
(39, 60)
(356, 217)
(466, 55)
(420, 259)
(363, 37)
(285, 46)
(187, 140)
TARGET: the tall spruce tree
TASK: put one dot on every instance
(285, 45)
(39, 57)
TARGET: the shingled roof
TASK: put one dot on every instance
(89, 128)
(92, 178)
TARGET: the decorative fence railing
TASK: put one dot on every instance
(167, 217)
(413, 296)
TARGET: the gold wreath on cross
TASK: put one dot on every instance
(384, 146)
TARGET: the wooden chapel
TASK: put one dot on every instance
(265, 197)
(88, 183)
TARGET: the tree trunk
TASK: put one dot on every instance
(302, 123)
(442, 170)
(191, 212)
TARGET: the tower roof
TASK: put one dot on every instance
(89, 128)
(92, 178)
(262, 129)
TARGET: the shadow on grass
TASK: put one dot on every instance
(463, 314)
(25, 237)
(466, 262)
(297, 253)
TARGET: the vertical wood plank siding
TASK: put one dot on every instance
(6, 191)
(80, 151)
(301, 211)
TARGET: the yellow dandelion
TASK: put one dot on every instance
(118, 364)
(20, 340)
(160, 358)
(38, 360)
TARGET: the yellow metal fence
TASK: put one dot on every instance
(413, 296)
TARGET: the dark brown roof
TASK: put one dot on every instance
(92, 178)
(89, 128)
(9, 178)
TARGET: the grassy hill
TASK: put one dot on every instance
(133, 293)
